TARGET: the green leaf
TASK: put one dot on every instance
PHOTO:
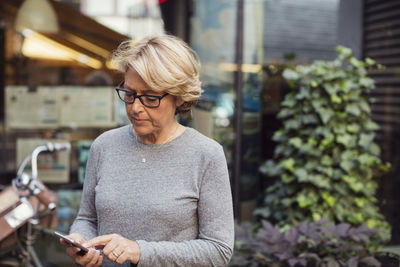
(289, 101)
(348, 155)
(337, 174)
(385, 167)
(264, 212)
(365, 140)
(374, 149)
(312, 141)
(309, 119)
(330, 200)
(290, 75)
(355, 62)
(287, 178)
(316, 216)
(344, 51)
(314, 83)
(326, 160)
(353, 128)
(320, 181)
(289, 164)
(287, 202)
(353, 183)
(371, 223)
(325, 114)
(366, 159)
(306, 199)
(360, 202)
(347, 165)
(347, 140)
(301, 174)
(347, 85)
(339, 211)
(303, 94)
(335, 99)
(365, 106)
(318, 104)
(315, 95)
(353, 109)
(354, 96)
(327, 141)
(293, 124)
(331, 88)
(366, 82)
(369, 61)
(356, 218)
(328, 171)
(270, 168)
(296, 142)
(284, 113)
(340, 129)
(278, 136)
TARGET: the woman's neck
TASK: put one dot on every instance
(162, 137)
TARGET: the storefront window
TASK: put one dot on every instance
(213, 31)
(59, 87)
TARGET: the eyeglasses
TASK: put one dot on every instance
(150, 101)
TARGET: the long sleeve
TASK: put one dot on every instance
(214, 244)
(85, 223)
(177, 205)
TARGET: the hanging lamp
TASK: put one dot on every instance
(37, 15)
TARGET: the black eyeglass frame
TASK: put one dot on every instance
(120, 88)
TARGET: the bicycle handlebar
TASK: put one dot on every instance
(51, 147)
(25, 182)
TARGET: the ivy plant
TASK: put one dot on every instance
(326, 160)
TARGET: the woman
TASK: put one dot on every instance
(156, 193)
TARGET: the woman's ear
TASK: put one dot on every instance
(179, 101)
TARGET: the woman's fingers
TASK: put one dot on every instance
(116, 248)
(110, 249)
(90, 259)
(72, 251)
(93, 258)
(110, 245)
(124, 256)
(113, 245)
(99, 261)
(100, 240)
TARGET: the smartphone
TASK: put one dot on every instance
(71, 242)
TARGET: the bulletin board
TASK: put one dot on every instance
(28, 108)
(47, 107)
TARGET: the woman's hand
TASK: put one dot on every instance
(91, 259)
(116, 248)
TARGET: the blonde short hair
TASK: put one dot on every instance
(166, 64)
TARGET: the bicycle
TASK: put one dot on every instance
(28, 204)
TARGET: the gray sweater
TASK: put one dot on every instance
(177, 205)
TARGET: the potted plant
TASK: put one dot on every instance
(326, 161)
